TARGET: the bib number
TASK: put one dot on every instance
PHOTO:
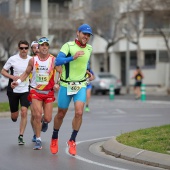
(73, 89)
(42, 79)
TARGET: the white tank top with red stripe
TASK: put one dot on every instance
(43, 73)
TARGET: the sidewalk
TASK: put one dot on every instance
(159, 91)
(112, 147)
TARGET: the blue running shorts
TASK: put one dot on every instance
(64, 99)
(89, 86)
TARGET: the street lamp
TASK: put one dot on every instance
(44, 16)
(127, 60)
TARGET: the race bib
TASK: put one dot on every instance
(73, 88)
(42, 78)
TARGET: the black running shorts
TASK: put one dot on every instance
(16, 98)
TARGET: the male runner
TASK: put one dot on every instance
(42, 83)
(73, 57)
(19, 63)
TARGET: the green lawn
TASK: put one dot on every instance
(4, 107)
(155, 139)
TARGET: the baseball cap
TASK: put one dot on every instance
(43, 40)
(33, 43)
(85, 28)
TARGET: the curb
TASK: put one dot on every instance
(114, 148)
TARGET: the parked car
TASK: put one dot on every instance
(102, 83)
(3, 82)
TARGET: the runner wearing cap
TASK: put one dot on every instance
(41, 90)
(34, 52)
(73, 57)
(34, 48)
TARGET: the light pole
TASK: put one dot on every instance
(127, 65)
(44, 17)
(127, 59)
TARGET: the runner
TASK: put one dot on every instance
(73, 57)
(88, 91)
(19, 63)
(138, 76)
(42, 83)
(34, 52)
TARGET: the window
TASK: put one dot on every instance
(35, 6)
(4, 9)
(133, 59)
(159, 19)
(163, 56)
(150, 58)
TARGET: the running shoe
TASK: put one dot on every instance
(54, 146)
(44, 126)
(87, 109)
(38, 145)
(71, 147)
(20, 140)
(34, 138)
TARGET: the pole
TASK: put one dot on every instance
(44, 17)
(111, 92)
(127, 51)
(143, 92)
(127, 65)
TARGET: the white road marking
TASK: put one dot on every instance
(93, 162)
(120, 111)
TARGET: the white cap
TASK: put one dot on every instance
(33, 43)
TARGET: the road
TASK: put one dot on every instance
(107, 118)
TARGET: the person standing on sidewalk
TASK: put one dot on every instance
(73, 57)
(17, 64)
(138, 76)
(41, 87)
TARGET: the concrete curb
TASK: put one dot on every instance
(114, 148)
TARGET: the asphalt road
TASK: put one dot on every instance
(107, 118)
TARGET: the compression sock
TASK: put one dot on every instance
(55, 134)
(73, 135)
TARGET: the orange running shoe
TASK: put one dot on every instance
(71, 147)
(54, 146)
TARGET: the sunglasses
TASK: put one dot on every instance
(23, 48)
(43, 40)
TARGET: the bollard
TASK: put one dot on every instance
(143, 92)
(111, 92)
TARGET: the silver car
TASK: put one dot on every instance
(103, 81)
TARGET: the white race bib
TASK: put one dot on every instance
(73, 88)
(42, 78)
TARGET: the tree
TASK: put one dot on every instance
(7, 34)
(106, 22)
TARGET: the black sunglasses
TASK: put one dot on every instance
(21, 48)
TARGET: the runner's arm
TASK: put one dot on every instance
(28, 70)
(62, 59)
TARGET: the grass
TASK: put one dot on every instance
(4, 107)
(155, 139)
